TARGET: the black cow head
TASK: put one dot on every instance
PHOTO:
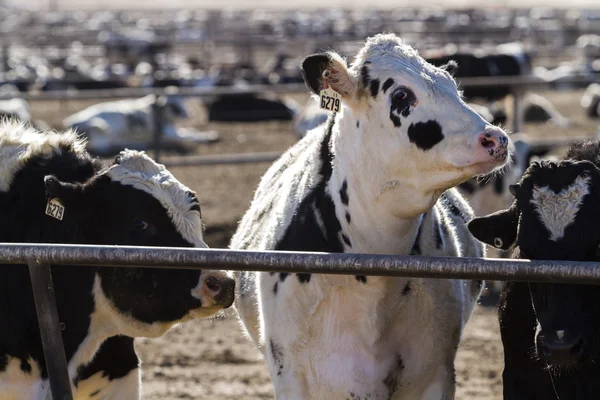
(555, 216)
(139, 203)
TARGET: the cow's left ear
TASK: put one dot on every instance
(69, 194)
(498, 229)
(328, 70)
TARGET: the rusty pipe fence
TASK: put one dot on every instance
(40, 257)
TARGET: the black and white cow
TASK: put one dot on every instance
(114, 125)
(509, 59)
(134, 201)
(550, 331)
(375, 179)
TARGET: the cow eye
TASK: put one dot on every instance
(498, 242)
(141, 225)
(400, 94)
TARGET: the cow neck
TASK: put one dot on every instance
(370, 227)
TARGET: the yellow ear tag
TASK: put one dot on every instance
(55, 209)
(330, 100)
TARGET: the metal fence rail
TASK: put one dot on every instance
(515, 82)
(39, 257)
(304, 262)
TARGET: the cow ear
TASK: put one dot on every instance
(328, 70)
(498, 229)
(69, 194)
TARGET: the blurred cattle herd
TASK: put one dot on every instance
(77, 51)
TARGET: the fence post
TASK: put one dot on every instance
(517, 110)
(50, 331)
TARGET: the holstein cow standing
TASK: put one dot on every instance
(375, 179)
(134, 201)
(114, 125)
(550, 331)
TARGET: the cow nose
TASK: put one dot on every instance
(565, 351)
(495, 142)
(221, 290)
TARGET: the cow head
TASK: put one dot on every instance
(405, 120)
(139, 203)
(172, 108)
(555, 216)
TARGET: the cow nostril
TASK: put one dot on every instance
(213, 284)
(487, 143)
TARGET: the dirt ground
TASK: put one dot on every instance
(212, 359)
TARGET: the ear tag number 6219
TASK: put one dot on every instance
(55, 209)
(330, 100)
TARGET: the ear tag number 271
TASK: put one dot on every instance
(330, 100)
(55, 209)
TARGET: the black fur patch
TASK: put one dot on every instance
(406, 289)
(439, 240)
(303, 278)
(358, 124)
(425, 135)
(25, 366)
(115, 359)
(346, 240)
(277, 355)
(344, 193)
(361, 278)
(401, 106)
(304, 232)
(387, 84)
(283, 276)
(275, 287)
(374, 87)
(416, 249)
(364, 73)
(348, 218)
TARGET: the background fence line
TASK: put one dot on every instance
(516, 82)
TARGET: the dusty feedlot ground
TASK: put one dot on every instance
(212, 359)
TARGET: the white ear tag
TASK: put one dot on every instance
(55, 209)
(330, 100)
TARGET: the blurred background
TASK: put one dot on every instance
(213, 90)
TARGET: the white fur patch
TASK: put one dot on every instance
(19, 143)
(17, 384)
(559, 210)
(140, 171)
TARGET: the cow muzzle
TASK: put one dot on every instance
(215, 290)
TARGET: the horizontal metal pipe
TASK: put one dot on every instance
(305, 262)
(505, 81)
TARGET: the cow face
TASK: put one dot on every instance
(172, 107)
(555, 216)
(407, 118)
(139, 203)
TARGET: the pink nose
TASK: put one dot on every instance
(495, 142)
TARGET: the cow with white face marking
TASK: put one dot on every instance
(375, 179)
(52, 191)
(550, 331)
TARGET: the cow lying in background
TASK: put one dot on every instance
(550, 331)
(114, 125)
(134, 201)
